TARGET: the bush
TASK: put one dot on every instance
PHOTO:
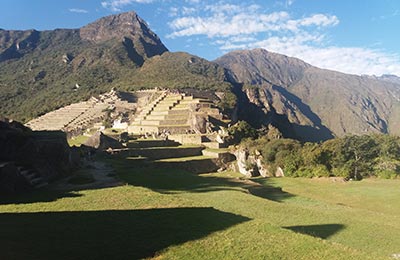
(242, 130)
(341, 172)
(386, 174)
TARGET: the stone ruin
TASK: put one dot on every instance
(140, 113)
(76, 118)
(31, 159)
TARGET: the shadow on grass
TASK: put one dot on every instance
(322, 231)
(168, 180)
(270, 193)
(37, 196)
(111, 234)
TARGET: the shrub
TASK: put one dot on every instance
(242, 130)
(386, 174)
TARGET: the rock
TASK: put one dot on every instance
(67, 58)
(241, 161)
(279, 172)
(199, 124)
(250, 165)
(260, 166)
(46, 153)
(219, 139)
(102, 142)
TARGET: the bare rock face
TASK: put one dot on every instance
(250, 165)
(15, 44)
(259, 66)
(312, 104)
(110, 27)
(126, 27)
(277, 107)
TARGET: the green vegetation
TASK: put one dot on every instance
(351, 157)
(173, 214)
(42, 81)
(78, 140)
(241, 130)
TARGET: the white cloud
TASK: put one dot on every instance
(116, 5)
(319, 20)
(351, 60)
(188, 10)
(225, 20)
(289, 2)
(244, 27)
(173, 11)
(76, 10)
(222, 25)
(192, 1)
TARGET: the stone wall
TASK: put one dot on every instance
(39, 156)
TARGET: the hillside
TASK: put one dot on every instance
(181, 70)
(313, 103)
(44, 70)
(41, 71)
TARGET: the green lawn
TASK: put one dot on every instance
(172, 214)
(78, 140)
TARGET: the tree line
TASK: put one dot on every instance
(352, 157)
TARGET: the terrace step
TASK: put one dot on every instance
(152, 143)
(156, 153)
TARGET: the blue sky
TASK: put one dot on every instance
(352, 36)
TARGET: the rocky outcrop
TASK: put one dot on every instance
(279, 108)
(309, 103)
(15, 44)
(38, 157)
(102, 142)
(250, 165)
(139, 41)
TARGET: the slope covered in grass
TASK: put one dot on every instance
(172, 214)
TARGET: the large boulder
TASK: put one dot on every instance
(102, 142)
(250, 165)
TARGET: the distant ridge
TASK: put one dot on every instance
(315, 101)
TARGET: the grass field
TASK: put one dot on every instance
(172, 214)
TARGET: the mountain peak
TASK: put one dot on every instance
(259, 66)
(121, 25)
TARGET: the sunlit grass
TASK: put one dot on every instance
(211, 216)
(78, 140)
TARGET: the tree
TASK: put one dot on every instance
(359, 152)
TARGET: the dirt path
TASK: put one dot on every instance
(104, 176)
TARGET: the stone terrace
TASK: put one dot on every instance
(169, 112)
(80, 116)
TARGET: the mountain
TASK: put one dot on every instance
(390, 78)
(43, 70)
(310, 103)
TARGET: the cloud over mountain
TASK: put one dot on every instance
(241, 26)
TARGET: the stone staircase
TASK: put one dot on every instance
(171, 154)
(60, 118)
(195, 158)
(32, 177)
(169, 113)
